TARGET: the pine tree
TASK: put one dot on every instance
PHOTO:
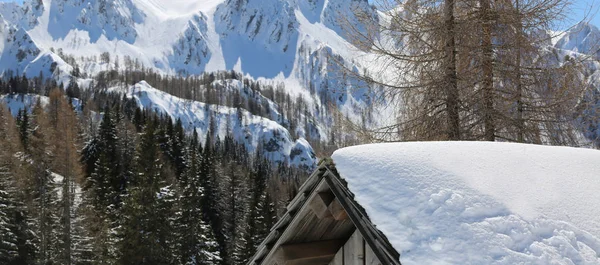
(9, 250)
(147, 223)
(176, 152)
(234, 202)
(208, 182)
(17, 240)
(104, 167)
(262, 214)
(24, 127)
(197, 244)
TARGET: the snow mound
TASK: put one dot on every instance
(479, 203)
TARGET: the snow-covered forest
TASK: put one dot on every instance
(119, 182)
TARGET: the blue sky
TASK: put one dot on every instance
(581, 8)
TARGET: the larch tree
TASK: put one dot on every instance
(43, 189)
(469, 69)
(66, 164)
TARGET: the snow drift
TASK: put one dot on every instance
(480, 203)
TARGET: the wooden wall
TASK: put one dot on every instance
(355, 252)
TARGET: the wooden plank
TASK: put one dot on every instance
(306, 224)
(370, 257)
(354, 250)
(319, 204)
(295, 222)
(384, 251)
(339, 258)
(312, 229)
(337, 211)
(320, 252)
(339, 229)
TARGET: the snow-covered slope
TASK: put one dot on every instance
(15, 103)
(20, 54)
(254, 131)
(113, 19)
(25, 16)
(479, 203)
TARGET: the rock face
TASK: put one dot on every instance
(19, 54)
(583, 38)
(191, 52)
(113, 19)
(25, 16)
(255, 33)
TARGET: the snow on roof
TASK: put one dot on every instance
(479, 202)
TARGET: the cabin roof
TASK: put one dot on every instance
(479, 202)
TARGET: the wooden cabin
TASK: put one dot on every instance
(443, 203)
(324, 225)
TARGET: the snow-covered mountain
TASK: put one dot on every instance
(20, 54)
(286, 41)
(258, 37)
(583, 38)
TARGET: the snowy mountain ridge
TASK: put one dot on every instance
(254, 131)
(265, 39)
(217, 35)
(287, 41)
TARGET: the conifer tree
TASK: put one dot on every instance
(42, 186)
(66, 164)
(209, 185)
(147, 223)
(262, 215)
(9, 250)
(24, 127)
(104, 178)
(17, 240)
(234, 204)
(197, 244)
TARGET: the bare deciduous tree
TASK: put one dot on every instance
(471, 69)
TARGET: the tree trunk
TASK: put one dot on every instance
(451, 77)
(488, 72)
(519, 85)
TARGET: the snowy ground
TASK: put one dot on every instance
(480, 203)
